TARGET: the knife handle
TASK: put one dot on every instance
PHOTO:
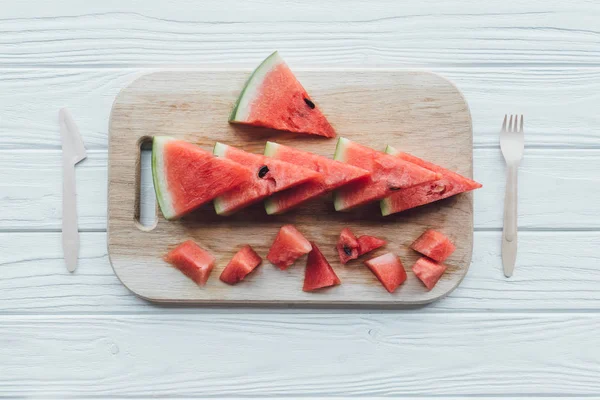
(70, 233)
(509, 233)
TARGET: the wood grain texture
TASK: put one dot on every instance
(556, 271)
(30, 183)
(423, 112)
(395, 33)
(272, 354)
(569, 95)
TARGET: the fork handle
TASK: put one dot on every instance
(509, 233)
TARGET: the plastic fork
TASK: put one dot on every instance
(512, 142)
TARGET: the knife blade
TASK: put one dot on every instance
(73, 151)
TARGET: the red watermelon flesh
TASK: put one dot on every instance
(428, 271)
(318, 273)
(274, 98)
(268, 176)
(388, 175)
(195, 262)
(333, 175)
(289, 245)
(242, 263)
(389, 270)
(448, 185)
(368, 243)
(185, 176)
(347, 246)
(434, 245)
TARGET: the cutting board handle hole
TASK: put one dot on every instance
(146, 213)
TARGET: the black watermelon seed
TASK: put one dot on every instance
(309, 103)
(347, 250)
(263, 171)
(394, 188)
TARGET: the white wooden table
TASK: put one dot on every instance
(85, 335)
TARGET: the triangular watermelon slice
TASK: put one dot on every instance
(429, 271)
(388, 175)
(274, 98)
(347, 246)
(185, 176)
(242, 263)
(448, 185)
(368, 243)
(434, 245)
(334, 175)
(318, 273)
(195, 262)
(389, 270)
(268, 176)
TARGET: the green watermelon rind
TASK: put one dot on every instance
(386, 204)
(161, 187)
(270, 151)
(250, 90)
(340, 155)
(219, 204)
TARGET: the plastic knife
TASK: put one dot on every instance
(73, 151)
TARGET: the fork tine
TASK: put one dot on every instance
(521, 130)
(504, 123)
(510, 123)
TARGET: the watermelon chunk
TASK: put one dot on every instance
(195, 262)
(185, 176)
(274, 98)
(388, 174)
(428, 271)
(242, 263)
(389, 270)
(434, 245)
(318, 273)
(268, 176)
(333, 175)
(347, 246)
(289, 245)
(368, 243)
(448, 185)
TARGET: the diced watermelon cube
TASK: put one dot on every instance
(428, 271)
(434, 245)
(242, 263)
(389, 270)
(368, 243)
(347, 246)
(289, 245)
(319, 273)
(195, 262)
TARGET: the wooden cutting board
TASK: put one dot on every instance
(417, 112)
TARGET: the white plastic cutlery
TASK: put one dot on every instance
(73, 151)
(512, 143)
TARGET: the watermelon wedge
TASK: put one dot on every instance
(289, 245)
(428, 271)
(448, 185)
(274, 98)
(389, 270)
(268, 176)
(333, 175)
(185, 176)
(242, 263)
(388, 174)
(195, 262)
(318, 273)
(434, 245)
(347, 246)
(368, 243)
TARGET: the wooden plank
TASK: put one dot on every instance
(555, 270)
(176, 103)
(32, 201)
(490, 92)
(435, 33)
(301, 354)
